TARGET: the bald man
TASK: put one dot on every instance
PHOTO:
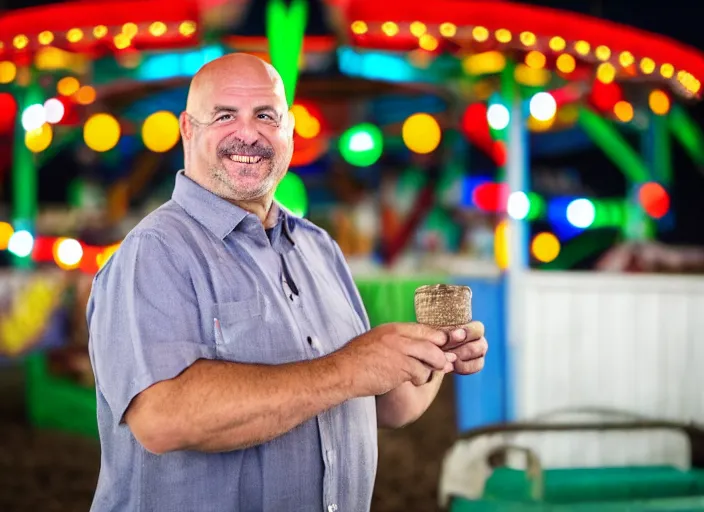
(234, 363)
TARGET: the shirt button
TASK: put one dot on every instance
(332, 508)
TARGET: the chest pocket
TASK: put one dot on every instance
(249, 331)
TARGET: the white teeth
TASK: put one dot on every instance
(244, 159)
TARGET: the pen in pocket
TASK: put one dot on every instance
(218, 331)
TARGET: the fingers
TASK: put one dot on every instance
(428, 353)
(470, 332)
(471, 350)
(420, 373)
(421, 332)
(469, 367)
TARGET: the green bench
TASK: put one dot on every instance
(603, 489)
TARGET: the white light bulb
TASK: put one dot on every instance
(543, 106)
(33, 117)
(21, 243)
(581, 213)
(498, 116)
(53, 110)
(518, 205)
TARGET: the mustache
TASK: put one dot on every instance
(237, 147)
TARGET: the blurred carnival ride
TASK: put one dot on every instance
(415, 136)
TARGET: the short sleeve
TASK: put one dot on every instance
(144, 321)
(343, 270)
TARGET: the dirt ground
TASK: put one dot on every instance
(43, 471)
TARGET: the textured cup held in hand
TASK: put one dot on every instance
(443, 305)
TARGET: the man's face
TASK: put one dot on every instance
(242, 136)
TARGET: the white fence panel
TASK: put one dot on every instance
(628, 342)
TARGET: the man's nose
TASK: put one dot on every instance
(246, 131)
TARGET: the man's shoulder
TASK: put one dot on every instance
(308, 230)
(165, 222)
(308, 227)
(163, 227)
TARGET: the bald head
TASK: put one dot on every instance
(233, 72)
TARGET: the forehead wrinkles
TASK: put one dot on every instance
(242, 98)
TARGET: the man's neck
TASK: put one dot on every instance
(263, 207)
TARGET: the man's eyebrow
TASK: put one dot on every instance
(267, 108)
(218, 109)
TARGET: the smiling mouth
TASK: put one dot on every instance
(245, 159)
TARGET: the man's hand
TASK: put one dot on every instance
(470, 346)
(389, 355)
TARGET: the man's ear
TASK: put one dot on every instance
(291, 122)
(185, 125)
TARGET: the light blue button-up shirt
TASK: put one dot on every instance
(200, 278)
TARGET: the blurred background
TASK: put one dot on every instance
(552, 160)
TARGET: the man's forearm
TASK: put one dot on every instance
(406, 403)
(222, 406)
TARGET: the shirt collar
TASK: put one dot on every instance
(217, 214)
(286, 218)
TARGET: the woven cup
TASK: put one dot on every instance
(443, 306)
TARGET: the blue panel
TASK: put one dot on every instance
(160, 67)
(483, 398)
(375, 65)
(169, 65)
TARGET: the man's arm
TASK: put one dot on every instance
(223, 406)
(406, 403)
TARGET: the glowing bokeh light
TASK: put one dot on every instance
(101, 132)
(33, 117)
(518, 205)
(543, 106)
(566, 63)
(421, 133)
(659, 102)
(361, 145)
(21, 243)
(545, 247)
(6, 232)
(40, 139)
(654, 199)
(160, 131)
(8, 72)
(498, 116)
(67, 253)
(85, 95)
(581, 213)
(291, 194)
(68, 86)
(501, 244)
(54, 110)
(623, 111)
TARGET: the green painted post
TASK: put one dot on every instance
(24, 169)
(285, 31)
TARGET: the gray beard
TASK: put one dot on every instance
(229, 191)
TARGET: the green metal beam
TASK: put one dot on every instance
(581, 247)
(285, 30)
(607, 137)
(24, 169)
(688, 133)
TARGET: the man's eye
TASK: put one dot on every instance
(265, 116)
(224, 117)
